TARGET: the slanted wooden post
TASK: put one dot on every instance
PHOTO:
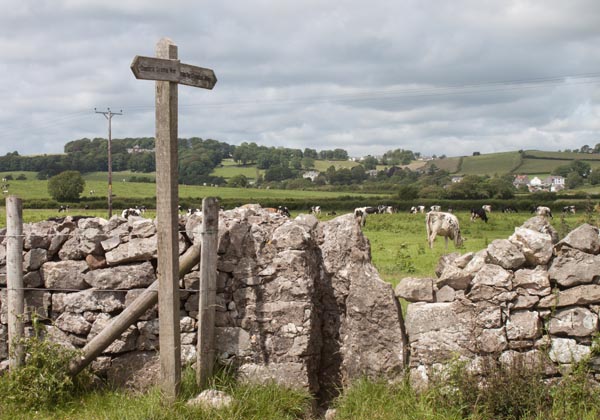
(168, 71)
(14, 278)
(121, 322)
(207, 291)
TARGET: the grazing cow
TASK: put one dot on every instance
(63, 208)
(543, 211)
(435, 208)
(283, 210)
(569, 209)
(130, 212)
(487, 208)
(316, 210)
(383, 209)
(417, 209)
(331, 213)
(479, 213)
(442, 224)
(360, 215)
(193, 210)
(509, 209)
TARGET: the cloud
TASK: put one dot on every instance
(366, 77)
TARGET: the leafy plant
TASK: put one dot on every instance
(44, 380)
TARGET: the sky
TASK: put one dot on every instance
(435, 77)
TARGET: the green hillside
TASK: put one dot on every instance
(497, 163)
(530, 162)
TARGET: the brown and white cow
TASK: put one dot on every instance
(442, 224)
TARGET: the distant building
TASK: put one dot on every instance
(372, 172)
(535, 182)
(520, 180)
(312, 175)
(137, 149)
(456, 179)
(555, 180)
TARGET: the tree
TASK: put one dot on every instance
(581, 168)
(574, 180)
(66, 186)
(370, 162)
(594, 177)
(239, 180)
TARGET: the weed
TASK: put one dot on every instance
(43, 381)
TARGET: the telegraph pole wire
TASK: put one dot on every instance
(108, 114)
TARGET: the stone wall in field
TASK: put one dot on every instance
(525, 300)
(298, 301)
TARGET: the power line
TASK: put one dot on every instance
(108, 114)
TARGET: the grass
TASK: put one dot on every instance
(269, 402)
(450, 164)
(399, 241)
(323, 165)
(490, 164)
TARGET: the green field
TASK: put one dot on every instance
(450, 164)
(323, 165)
(490, 164)
(230, 169)
(563, 155)
(399, 241)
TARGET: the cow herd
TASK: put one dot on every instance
(437, 222)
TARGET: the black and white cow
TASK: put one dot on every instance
(384, 209)
(569, 209)
(543, 211)
(283, 210)
(316, 210)
(130, 212)
(435, 208)
(195, 211)
(479, 213)
(63, 208)
(443, 224)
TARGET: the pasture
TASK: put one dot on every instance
(399, 241)
(490, 164)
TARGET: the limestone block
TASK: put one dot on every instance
(584, 238)
(504, 253)
(415, 289)
(122, 276)
(535, 246)
(64, 274)
(575, 322)
(573, 267)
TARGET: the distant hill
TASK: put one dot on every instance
(530, 162)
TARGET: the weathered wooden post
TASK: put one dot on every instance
(14, 278)
(167, 71)
(207, 293)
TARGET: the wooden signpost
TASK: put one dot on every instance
(168, 72)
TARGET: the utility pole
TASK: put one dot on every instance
(108, 114)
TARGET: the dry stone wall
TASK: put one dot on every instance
(298, 301)
(525, 299)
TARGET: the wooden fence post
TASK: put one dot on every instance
(14, 277)
(207, 293)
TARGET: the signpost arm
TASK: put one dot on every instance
(167, 227)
